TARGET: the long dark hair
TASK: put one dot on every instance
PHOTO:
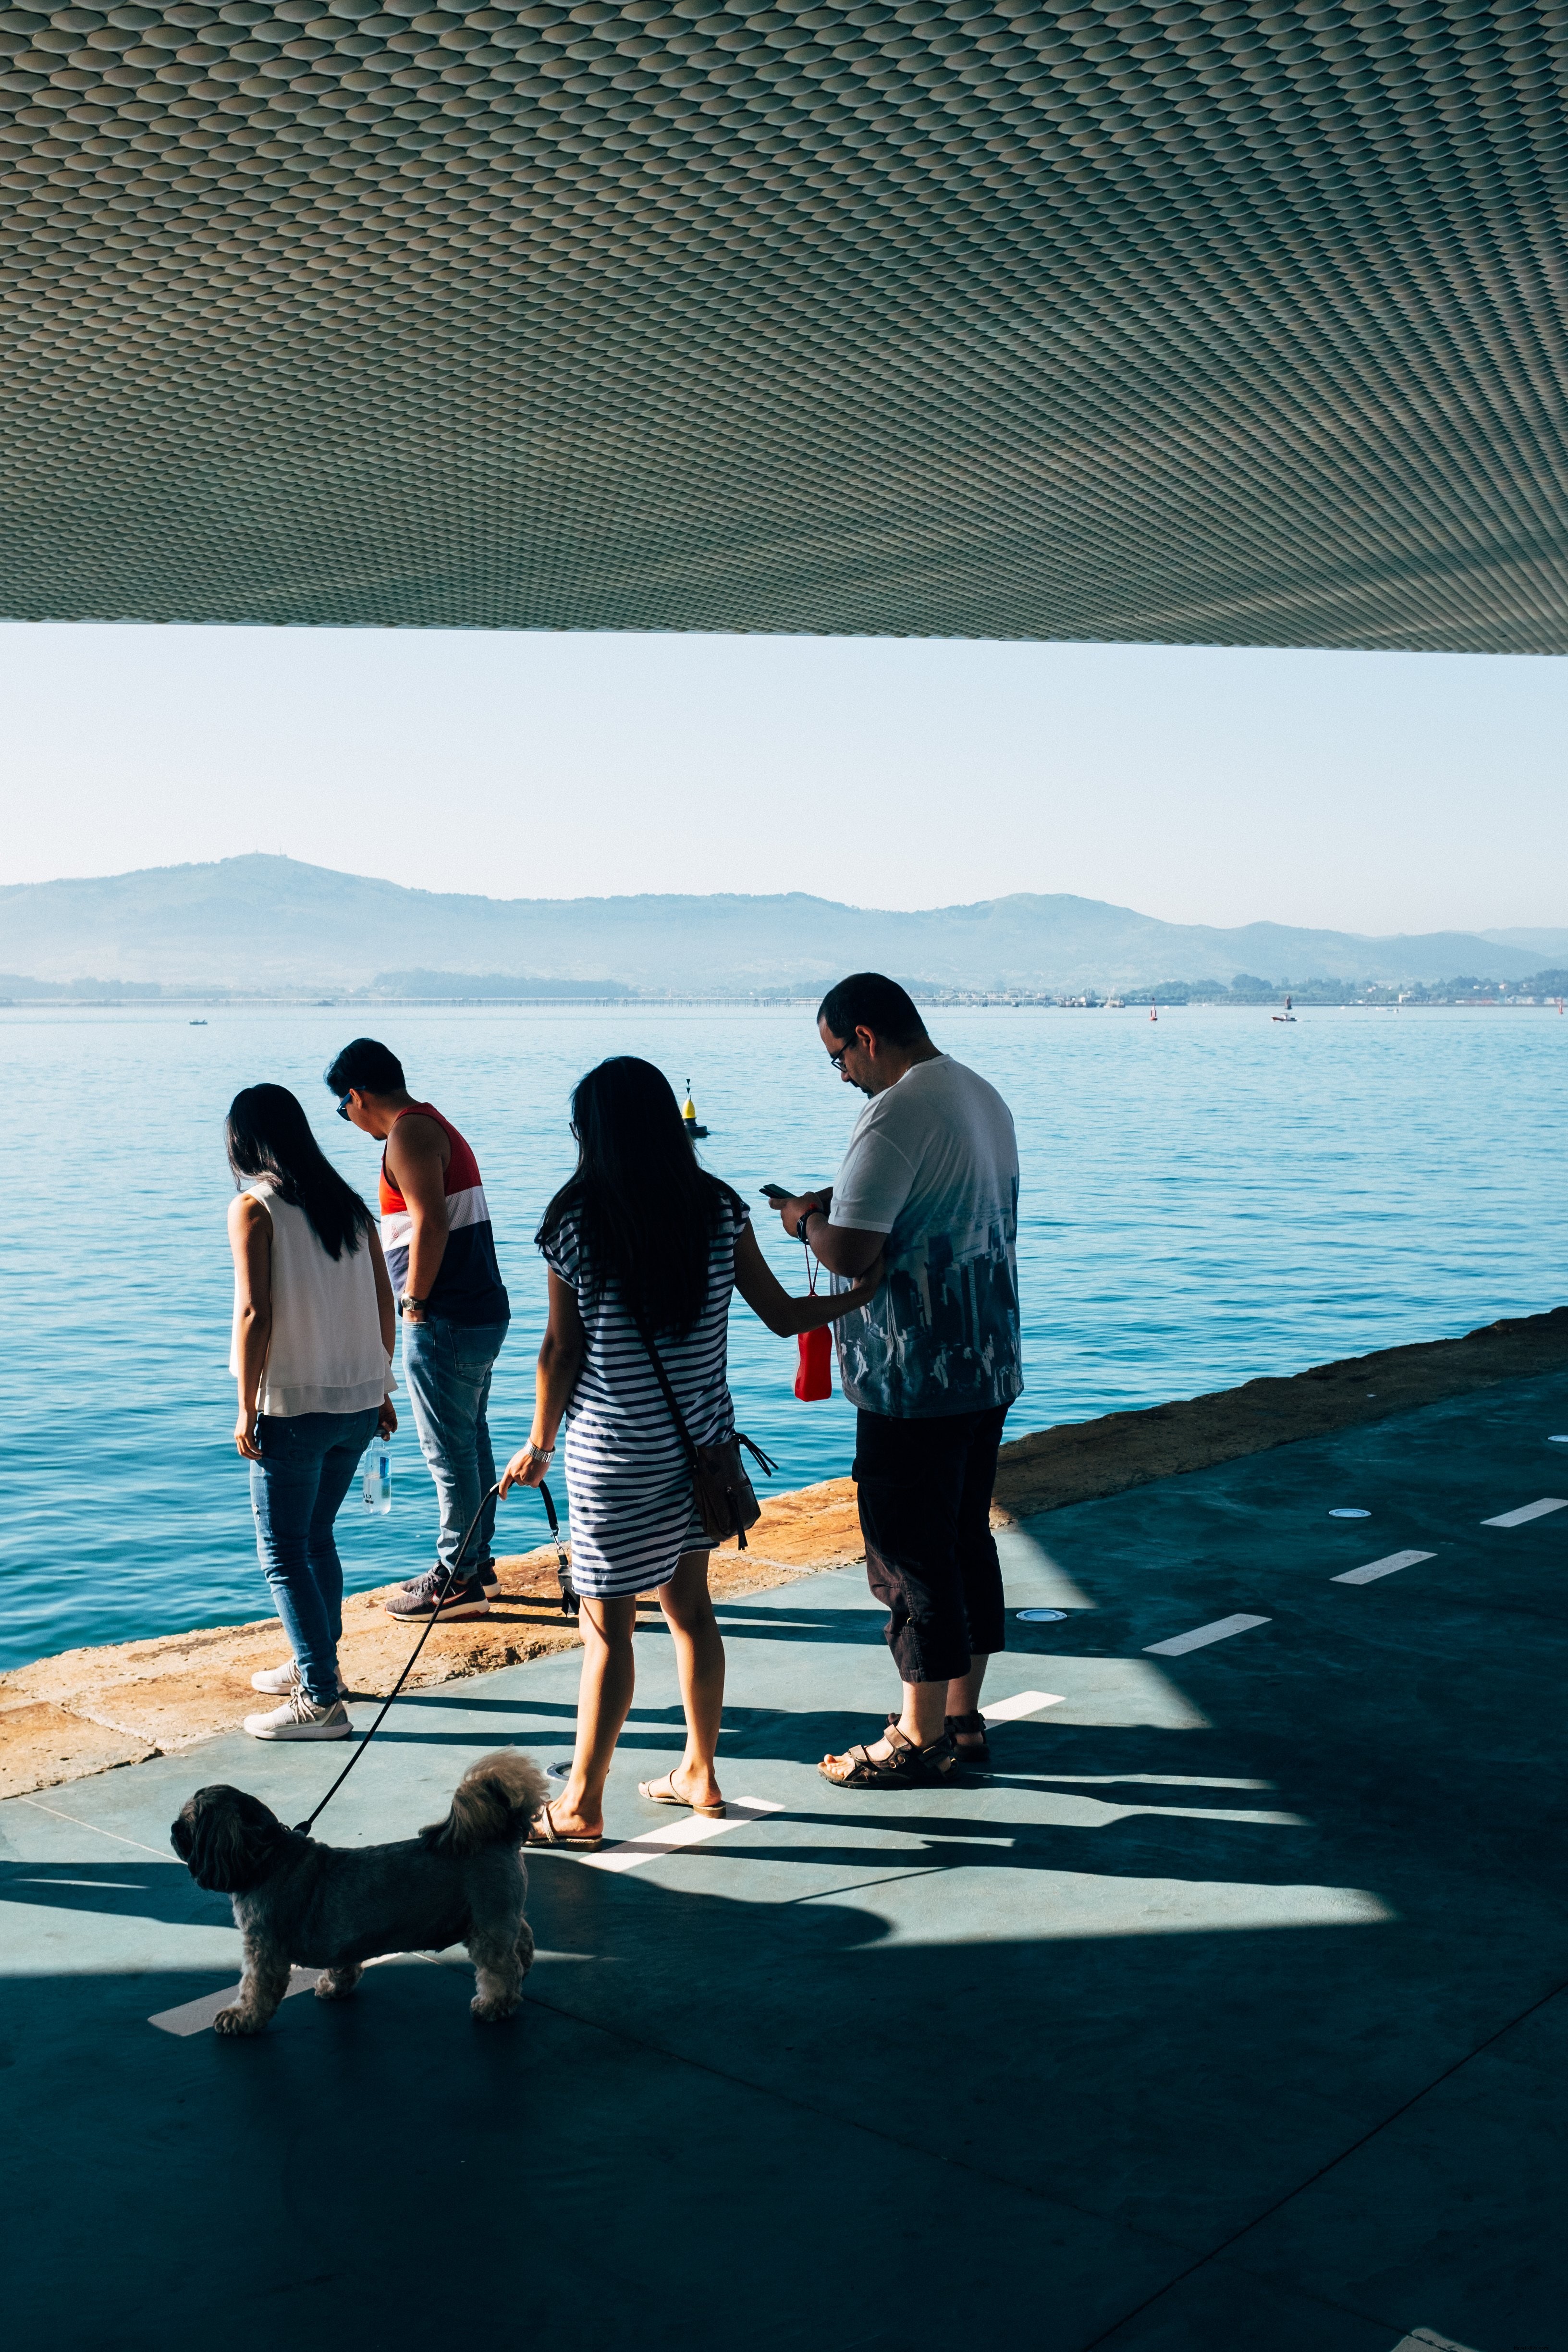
(645, 1211)
(268, 1134)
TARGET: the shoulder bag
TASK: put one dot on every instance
(722, 1489)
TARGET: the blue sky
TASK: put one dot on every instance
(1368, 792)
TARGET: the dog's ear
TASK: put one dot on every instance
(227, 1839)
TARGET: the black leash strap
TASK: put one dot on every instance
(304, 1828)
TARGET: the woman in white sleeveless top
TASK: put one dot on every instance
(313, 1331)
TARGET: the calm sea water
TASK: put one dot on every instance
(1206, 1198)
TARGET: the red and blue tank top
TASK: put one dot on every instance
(468, 1288)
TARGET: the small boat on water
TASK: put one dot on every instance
(198, 1025)
(1286, 1015)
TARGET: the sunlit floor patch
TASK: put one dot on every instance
(1014, 1710)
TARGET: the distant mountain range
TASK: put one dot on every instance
(270, 925)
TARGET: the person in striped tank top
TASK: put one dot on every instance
(641, 1232)
(441, 1255)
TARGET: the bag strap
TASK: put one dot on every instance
(768, 1466)
(663, 1378)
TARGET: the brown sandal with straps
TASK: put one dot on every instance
(979, 1753)
(908, 1767)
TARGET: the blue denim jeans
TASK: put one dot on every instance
(307, 1466)
(448, 1367)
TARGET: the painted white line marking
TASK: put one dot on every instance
(196, 2016)
(1528, 1511)
(689, 1829)
(1013, 1710)
(1200, 1636)
(1377, 1568)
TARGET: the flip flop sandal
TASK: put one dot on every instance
(908, 1767)
(544, 1832)
(969, 1723)
(649, 1790)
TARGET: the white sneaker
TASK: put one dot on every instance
(279, 1681)
(276, 1681)
(299, 1717)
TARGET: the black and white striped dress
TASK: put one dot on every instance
(629, 1485)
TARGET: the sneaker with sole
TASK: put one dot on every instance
(299, 1717)
(277, 1682)
(467, 1598)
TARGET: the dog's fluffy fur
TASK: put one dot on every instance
(460, 1881)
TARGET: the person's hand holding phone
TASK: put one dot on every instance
(793, 1207)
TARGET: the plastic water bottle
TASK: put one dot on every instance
(377, 1488)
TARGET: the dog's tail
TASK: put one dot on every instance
(493, 1804)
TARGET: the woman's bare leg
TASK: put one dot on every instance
(604, 1695)
(698, 1645)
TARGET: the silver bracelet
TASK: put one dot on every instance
(545, 1454)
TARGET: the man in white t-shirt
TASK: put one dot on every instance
(932, 1363)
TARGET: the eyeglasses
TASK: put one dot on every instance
(343, 1103)
(836, 1061)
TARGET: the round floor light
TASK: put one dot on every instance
(1042, 1616)
(1349, 1515)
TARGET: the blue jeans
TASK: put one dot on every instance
(307, 1466)
(447, 1369)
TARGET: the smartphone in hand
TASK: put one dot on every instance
(776, 1192)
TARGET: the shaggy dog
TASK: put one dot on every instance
(461, 1880)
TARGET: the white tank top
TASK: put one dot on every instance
(325, 1353)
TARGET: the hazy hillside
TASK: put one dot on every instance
(261, 923)
(1546, 947)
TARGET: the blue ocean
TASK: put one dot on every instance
(1206, 1198)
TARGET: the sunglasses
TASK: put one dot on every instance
(344, 1102)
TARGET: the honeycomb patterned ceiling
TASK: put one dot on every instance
(1193, 321)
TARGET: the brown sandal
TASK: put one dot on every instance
(544, 1832)
(908, 1767)
(970, 1724)
(651, 1790)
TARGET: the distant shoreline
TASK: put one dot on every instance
(1381, 1000)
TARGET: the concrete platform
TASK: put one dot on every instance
(1227, 2015)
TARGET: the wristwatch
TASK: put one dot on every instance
(409, 1300)
(810, 1210)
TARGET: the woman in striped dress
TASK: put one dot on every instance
(640, 1224)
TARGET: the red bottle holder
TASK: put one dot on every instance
(814, 1373)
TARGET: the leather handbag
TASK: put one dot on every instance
(721, 1488)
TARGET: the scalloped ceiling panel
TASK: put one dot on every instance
(1210, 322)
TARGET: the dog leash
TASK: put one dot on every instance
(568, 1609)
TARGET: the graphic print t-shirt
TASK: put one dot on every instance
(933, 1164)
(468, 1287)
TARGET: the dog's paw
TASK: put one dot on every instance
(236, 2020)
(329, 1986)
(491, 2013)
